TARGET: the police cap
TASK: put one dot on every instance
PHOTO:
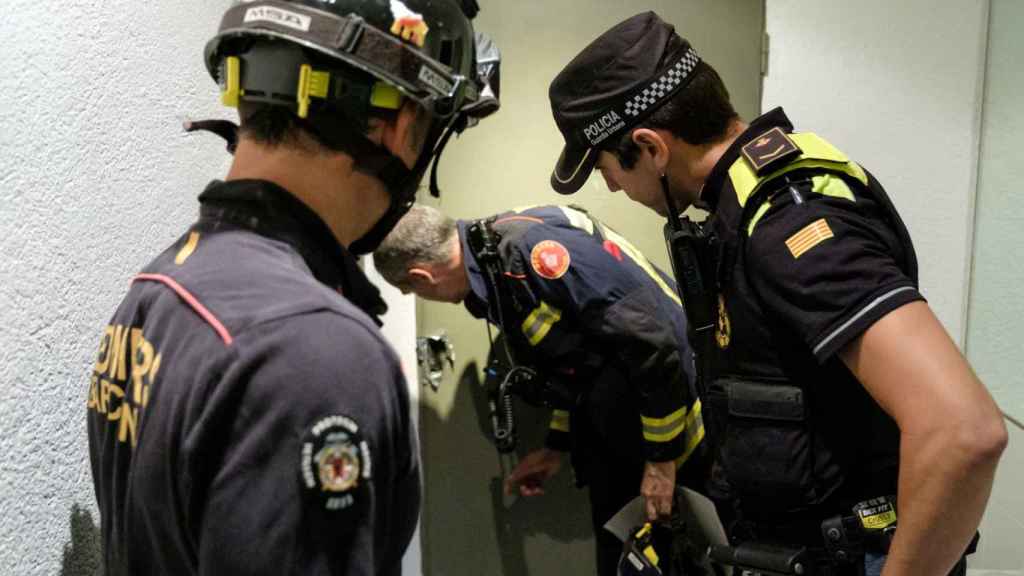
(613, 85)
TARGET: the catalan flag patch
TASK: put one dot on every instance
(810, 236)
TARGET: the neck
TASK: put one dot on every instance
(691, 165)
(716, 150)
(346, 200)
(457, 267)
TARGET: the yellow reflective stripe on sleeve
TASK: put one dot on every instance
(559, 420)
(640, 261)
(539, 322)
(694, 433)
(664, 420)
(578, 219)
(664, 429)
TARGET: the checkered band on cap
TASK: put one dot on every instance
(664, 85)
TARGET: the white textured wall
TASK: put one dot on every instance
(897, 86)
(95, 178)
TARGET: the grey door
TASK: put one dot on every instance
(467, 526)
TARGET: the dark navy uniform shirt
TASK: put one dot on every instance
(245, 414)
(825, 257)
(584, 295)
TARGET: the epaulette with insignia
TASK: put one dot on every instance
(773, 148)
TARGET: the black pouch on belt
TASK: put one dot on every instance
(766, 441)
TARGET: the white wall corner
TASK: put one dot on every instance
(971, 216)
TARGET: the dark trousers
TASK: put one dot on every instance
(609, 440)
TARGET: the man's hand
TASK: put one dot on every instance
(532, 471)
(658, 488)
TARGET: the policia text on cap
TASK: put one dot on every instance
(245, 414)
(829, 387)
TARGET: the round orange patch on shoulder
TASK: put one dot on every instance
(550, 259)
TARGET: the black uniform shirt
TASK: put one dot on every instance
(819, 267)
(245, 414)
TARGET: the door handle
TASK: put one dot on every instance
(432, 352)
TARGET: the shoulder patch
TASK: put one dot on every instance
(550, 259)
(335, 463)
(808, 237)
(769, 149)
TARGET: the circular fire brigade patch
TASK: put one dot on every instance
(550, 259)
(335, 462)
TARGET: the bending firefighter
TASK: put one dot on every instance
(245, 414)
(597, 333)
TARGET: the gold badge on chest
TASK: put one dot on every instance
(723, 331)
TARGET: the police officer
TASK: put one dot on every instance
(828, 383)
(245, 414)
(596, 320)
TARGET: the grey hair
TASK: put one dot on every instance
(421, 237)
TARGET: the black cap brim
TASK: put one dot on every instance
(573, 168)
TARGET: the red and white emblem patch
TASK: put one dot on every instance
(550, 259)
(339, 467)
(335, 464)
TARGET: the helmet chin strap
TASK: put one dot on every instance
(372, 159)
(402, 183)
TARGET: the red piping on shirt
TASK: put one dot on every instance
(189, 299)
(525, 218)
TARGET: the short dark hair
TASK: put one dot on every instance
(270, 125)
(698, 114)
(277, 125)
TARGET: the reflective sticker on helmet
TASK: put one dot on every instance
(550, 259)
(408, 25)
(435, 80)
(278, 16)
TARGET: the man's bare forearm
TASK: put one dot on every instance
(944, 486)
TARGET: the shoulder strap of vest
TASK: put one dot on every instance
(483, 243)
(815, 152)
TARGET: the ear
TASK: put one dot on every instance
(653, 143)
(421, 278)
